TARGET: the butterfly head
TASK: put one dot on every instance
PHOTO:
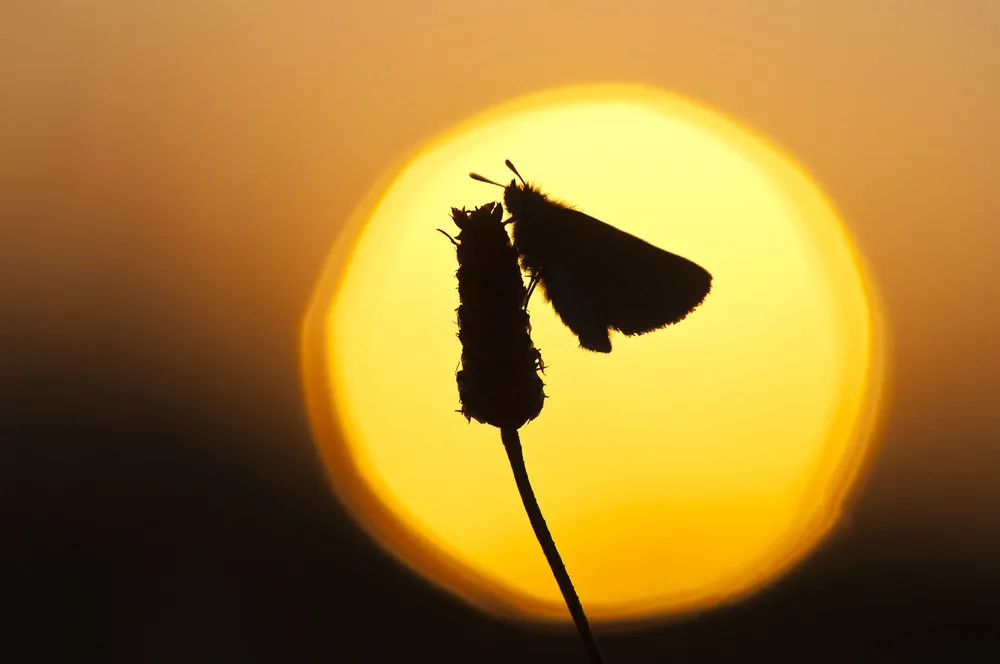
(523, 200)
(517, 197)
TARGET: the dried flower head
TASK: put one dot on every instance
(498, 383)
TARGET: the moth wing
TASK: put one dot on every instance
(633, 286)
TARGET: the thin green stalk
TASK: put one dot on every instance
(512, 443)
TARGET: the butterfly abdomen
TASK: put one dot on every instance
(498, 383)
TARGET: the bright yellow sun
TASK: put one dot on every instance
(688, 467)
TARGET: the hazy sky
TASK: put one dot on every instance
(167, 169)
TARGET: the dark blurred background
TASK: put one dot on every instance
(171, 177)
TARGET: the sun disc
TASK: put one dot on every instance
(690, 466)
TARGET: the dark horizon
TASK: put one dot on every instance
(136, 537)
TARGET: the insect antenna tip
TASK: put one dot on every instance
(477, 176)
(510, 165)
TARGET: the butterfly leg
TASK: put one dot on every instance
(531, 286)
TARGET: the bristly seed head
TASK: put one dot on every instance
(498, 383)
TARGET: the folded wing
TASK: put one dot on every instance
(631, 286)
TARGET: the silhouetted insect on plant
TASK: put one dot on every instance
(598, 278)
(498, 383)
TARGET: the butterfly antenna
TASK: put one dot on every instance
(511, 167)
(477, 176)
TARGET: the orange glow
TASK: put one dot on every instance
(685, 469)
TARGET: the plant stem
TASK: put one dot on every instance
(512, 443)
